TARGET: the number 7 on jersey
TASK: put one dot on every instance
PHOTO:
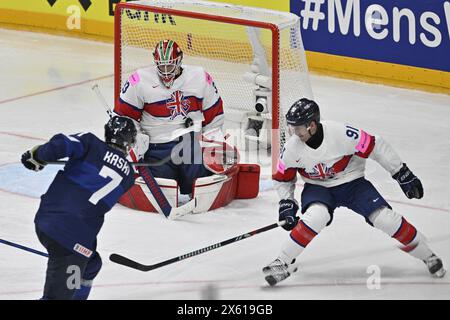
(106, 172)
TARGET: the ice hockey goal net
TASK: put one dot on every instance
(255, 56)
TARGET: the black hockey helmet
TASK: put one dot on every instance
(120, 132)
(302, 112)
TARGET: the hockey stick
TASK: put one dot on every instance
(117, 258)
(136, 164)
(160, 198)
(102, 100)
(15, 245)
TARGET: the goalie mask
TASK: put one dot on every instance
(168, 57)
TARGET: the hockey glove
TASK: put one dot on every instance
(409, 183)
(30, 160)
(287, 211)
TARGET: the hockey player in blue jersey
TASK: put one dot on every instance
(71, 212)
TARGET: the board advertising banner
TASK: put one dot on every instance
(413, 33)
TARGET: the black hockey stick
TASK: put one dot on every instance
(136, 164)
(19, 246)
(117, 258)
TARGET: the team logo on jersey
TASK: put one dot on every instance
(178, 105)
(321, 171)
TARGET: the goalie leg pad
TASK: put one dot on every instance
(139, 197)
(188, 174)
(215, 191)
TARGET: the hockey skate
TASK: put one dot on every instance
(277, 271)
(435, 266)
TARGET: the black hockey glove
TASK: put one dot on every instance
(287, 211)
(30, 160)
(409, 183)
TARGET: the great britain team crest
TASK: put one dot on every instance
(178, 105)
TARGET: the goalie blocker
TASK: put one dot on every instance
(216, 191)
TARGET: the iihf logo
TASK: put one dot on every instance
(178, 105)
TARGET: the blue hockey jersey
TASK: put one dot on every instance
(72, 210)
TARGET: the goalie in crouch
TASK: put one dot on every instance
(178, 110)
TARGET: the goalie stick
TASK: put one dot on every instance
(169, 211)
(117, 258)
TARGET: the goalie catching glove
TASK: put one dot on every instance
(31, 161)
(219, 156)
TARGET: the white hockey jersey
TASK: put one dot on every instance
(162, 111)
(339, 159)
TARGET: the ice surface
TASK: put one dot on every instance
(45, 88)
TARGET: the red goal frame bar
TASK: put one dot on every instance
(203, 16)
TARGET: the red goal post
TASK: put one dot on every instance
(141, 24)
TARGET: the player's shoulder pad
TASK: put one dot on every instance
(332, 125)
(290, 148)
(198, 73)
(84, 137)
(193, 69)
(142, 77)
(339, 129)
(291, 143)
(147, 74)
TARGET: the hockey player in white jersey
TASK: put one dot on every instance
(330, 157)
(171, 101)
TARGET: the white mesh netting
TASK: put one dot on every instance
(228, 49)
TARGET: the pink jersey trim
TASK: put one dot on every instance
(281, 167)
(209, 79)
(364, 142)
(134, 79)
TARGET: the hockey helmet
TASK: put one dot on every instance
(120, 132)
(303, 112)
(168, 58)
